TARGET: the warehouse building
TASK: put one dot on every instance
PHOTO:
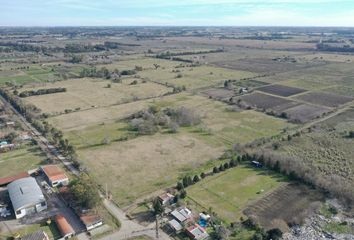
(26, 197)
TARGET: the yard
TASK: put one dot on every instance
(23, 159)
(228, 193)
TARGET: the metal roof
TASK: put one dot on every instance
(25, 192)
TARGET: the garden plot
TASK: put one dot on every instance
(281, 90)
(219, 93)
(305, 112)
(289, 204)
(325, 99)
(267, 102)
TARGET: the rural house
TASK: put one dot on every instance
(55, 175)
(196, 232)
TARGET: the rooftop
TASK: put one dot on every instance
(54, 173)
(39, 235)
(64, 227)
(9, 179)
(25, 192)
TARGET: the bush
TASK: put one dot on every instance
(179, 186)
(215, 170)
(196, 179)
(202, 175)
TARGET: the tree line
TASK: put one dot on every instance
(29, 93)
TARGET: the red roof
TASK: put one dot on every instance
(90, 219)
(64, 227)
(54, 173)
(7, 180)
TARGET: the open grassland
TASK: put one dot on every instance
(228, 193)
(145, 164)
(90, 93)
(194, 77)
(23, 159)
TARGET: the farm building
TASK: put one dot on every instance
(175, 225)
(6, 180)
(182, 215)
(166, 198)
(66, 230)
(26, 197)
(55, 175)
(91, 220)
(196, 232)
(39, 235)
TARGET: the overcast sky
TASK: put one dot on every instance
(177, 12)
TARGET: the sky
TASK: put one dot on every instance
(177, 13)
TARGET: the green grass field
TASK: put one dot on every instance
(23, 159)
(51, 230)
(229, 192)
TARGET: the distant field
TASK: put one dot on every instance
(228, 193)
(23, 159)
(325, 99)
(281, 90)
(91, 93)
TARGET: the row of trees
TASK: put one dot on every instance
(29, 93)
(105, 73)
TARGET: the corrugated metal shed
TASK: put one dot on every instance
(24, 193)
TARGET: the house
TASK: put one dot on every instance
(6, 180)
(166, 198)
(39, 235)
(65, 229)
(182, 215)
(7, 147)
(196, 232)
(175, 225)
(55, 175)
(26, 197)
(91, 220)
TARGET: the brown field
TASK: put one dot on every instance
(325, 99)
(218, 93)
(288, 205)
(92, 93)
(281, 90)
(264, 101)
(305, 112)
(145, 164)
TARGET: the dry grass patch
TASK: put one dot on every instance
(88, 93)
(140, 166)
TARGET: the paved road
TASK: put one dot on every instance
(130, 228)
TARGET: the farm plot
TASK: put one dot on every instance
(92, 93)
(267, 102)
(218, 93)
(325, 99)
(228, 193)
(280, 90)
(305, 112)
(140, 166)
(288, 205)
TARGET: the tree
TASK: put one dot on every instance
(157, 206)
(85, 191)
(196, 179)
(351, 134)
(215, 170)
(202, 175)
(183, 194)
(274, 234)
(179, 186)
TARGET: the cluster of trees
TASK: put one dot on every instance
(29, 93)
(297, 170)
(168, 54)
(85, 191)
(105, 73)
(329, 48)
(74, 58)
(115, 45)
(23, 47)
(260, 233)
(149, 121)
(189, 180)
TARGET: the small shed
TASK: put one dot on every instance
(66, 230)
(55, 175)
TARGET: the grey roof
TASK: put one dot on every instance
(175, 225)
(39, 235)
(25, 192)
(176, 214)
